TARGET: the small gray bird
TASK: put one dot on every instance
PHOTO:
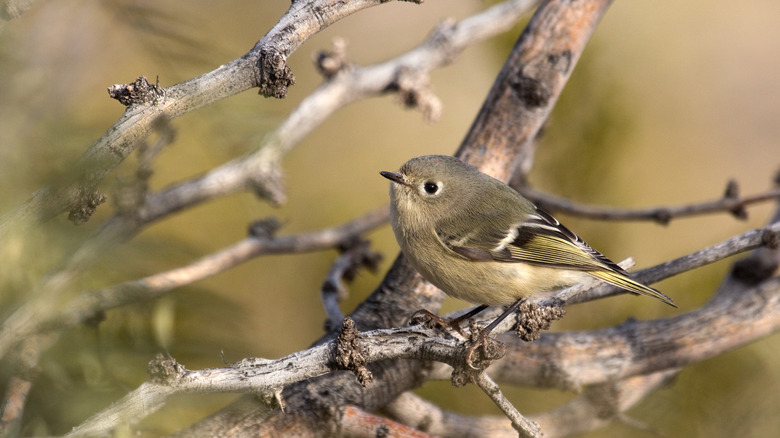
(479, 240)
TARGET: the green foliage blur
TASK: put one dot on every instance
(656, 113)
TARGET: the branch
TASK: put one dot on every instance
(520, 100)
(355, 255)
(258, 170)
(264, 66)
(578, 358)
(416, 412)
(357, 423)
(731, 202)
(524, 426)
(600, 405)
(38, 315)
(595, 408)
(563, 360)
(744, 242)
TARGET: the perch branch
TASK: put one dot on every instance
(578, 358)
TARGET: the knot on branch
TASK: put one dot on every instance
(663, 216)
(265, 228)
(531, 92)
(350, 354)
(532, 319)
(273, 75)
(441, 38)
(360, 256)
(136, 93)
(329, 64)
(414, 91)
(761, 265)
(267, 184)
(165, 370)
(770, 239)
(732, 194)
(84, 205)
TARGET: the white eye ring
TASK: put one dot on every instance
(432, 188)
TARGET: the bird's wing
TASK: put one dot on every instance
(538, 239)
(541, 240)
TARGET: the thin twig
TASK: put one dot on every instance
(16, 392)
(88, 304)
(524, 426)
(356, 254)
(264, 66)
(731, 203)
(259, 169)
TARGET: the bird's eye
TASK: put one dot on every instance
(430, 188)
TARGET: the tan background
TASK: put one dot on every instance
(669, 101)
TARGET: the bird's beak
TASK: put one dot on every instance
(394, 177)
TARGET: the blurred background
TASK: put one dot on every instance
(667, 104)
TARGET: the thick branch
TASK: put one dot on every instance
(541, 62)
(563, 360)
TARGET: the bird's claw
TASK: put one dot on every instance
(491, 349)
(430, 320)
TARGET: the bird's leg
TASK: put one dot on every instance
(424, 316)
(482, 338)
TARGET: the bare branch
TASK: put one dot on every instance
(355, 255)
(37, 315)
(357, 423)
(594, 409)
(744, 242)
(524, 426)
(259, 170)
(731, 202)
(578, 358)
(600, 405)
(410, 409)
(264, 66)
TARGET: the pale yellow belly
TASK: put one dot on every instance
(495, 283)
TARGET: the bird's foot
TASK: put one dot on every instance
(430, 320)
(488, 348)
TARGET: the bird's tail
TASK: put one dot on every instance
(621, 280)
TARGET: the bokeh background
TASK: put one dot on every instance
(669, 101)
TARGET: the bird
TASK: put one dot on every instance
(479, 240)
